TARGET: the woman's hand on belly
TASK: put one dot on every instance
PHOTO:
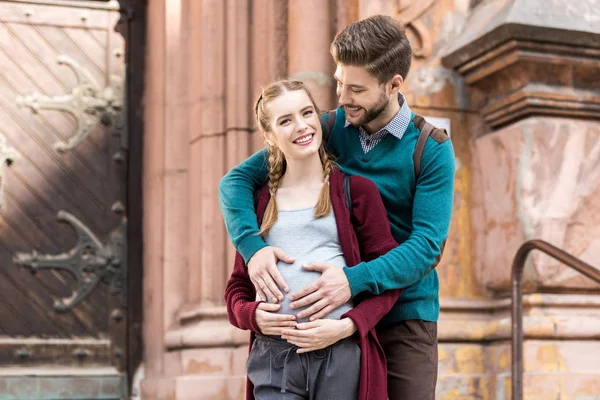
(315, 335)
(271, 323)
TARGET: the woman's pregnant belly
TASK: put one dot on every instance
(297, 278)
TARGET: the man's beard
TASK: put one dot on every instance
(372, 113)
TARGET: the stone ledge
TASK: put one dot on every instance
(522, 63)
(195, 312)
(529, 300)
(205, 333)
(545, 316)
(494, 22)
(195, 387)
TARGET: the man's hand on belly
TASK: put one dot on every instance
(325, 294)
(263, 272)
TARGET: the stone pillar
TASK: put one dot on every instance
(346, 12)
(268, 60)
(201, 83)
(535, 84)
(165, 193)
(311, 30)
(211, 352)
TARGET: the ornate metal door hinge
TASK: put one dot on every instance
(7, 156)
(89, 262)
(88, 102)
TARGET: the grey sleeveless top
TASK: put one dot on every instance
(306, 239)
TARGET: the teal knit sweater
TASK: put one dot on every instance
(419, 213)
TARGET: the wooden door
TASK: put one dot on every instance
(63, 217)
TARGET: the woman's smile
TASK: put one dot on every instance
(305, 139)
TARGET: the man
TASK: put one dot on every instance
(374, 135)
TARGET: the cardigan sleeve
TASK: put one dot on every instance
(375, 238)
(372, 227)
(367, 314)
(240, 298)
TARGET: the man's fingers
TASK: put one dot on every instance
(316, 266)
(305, 291)
(261, 295)
(315, 308)
(269, 307)
(279, 281)
(322, 313)
(267, 292)
(272, 288)
(305, 301)
(283, 256)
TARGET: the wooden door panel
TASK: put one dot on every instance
(83, 186)
(25, 137)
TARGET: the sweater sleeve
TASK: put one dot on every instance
(375, 239)
(240, 298)
(236, 199)
(432, 210)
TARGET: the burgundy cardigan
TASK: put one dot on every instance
(367, 237)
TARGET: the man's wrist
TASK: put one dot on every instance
(250, 246)
(356, 279)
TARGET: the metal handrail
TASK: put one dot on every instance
(517, 300)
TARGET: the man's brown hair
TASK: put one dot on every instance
(378, 43)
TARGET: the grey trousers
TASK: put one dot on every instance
(278, 372)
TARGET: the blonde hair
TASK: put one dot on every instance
(276, 159)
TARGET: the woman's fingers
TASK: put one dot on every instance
(279, 317)
(299, 334)
(284, 324)
(270, 307)
(310, 325)
(270, 316)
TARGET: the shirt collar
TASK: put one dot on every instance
(397, 126)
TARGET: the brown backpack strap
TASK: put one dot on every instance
(329, 124)
(440, 136)
(420, 146)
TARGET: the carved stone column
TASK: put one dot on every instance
(269, 56)
(309, 59)
(212, 42)
(165, 191)
(536, 84)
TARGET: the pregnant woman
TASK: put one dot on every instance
(313, 212)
